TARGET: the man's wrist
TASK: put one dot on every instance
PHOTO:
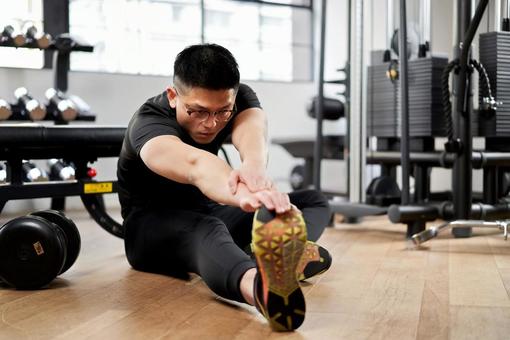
(253, 162)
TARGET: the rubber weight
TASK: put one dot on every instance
(32, 252)
(71, 233)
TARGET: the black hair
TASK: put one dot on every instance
(208, 66)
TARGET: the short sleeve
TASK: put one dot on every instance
(246, 98)
(149, 124)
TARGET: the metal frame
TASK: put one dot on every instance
(357, 132)
(79, 145)
(319, 104)
(55, 21)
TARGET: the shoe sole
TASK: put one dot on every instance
(312, 254)
(278, 244)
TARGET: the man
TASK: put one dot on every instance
(186, 210)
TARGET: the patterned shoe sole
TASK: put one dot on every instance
(311, 256)
(278, 244)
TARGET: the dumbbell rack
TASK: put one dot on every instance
(79, 145)
(63, 45)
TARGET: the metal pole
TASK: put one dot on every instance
(319, 104)
(390, 24)
(462, 169)
(357, 140)
(497, 6)
(348, 97)
(425, 21)
(404, 103)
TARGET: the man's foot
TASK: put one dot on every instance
(278, 242)
(315, 260)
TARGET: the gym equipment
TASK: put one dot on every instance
(72, 108)
(78, 145)
(495, 56)
(72, 235)
(333, 109)
(36, 39)
(301, 176)
(31, 173)
(59, 170)
(3, 174)
(59, 106)
(5, 110)
(298, 178)
(34, 249)
(460, 141)
(383, 191)
(10, 35)
(425, 112)
(432, 232)
(84, 111)
(30, 107)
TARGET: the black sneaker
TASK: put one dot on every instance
(315, 260)
(278, 242)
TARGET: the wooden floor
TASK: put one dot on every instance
(378, 288)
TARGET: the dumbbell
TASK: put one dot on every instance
(5, 110)
(3, 174)
(36, 248)
(61, 107)
(82, 107)
(59, 170)
(34, 38)
(9, 34)
(29, 105)
(31, 173)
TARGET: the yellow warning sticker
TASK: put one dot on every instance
(97, 188)
(39, 250)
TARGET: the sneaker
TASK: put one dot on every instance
(278, 242)
(315, 260)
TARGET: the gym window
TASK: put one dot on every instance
(269, 39)
(20, 14)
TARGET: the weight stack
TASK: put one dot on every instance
(495, 57)
(425, 106)
(382, 102)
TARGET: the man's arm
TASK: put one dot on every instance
(169, 157)
(249, 136)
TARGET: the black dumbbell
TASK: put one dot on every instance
(36, 39)
(32, 173)
(36, 248)
(5, 110)
(60, 170)
(9, 34)
(61, 107)
(30, 106)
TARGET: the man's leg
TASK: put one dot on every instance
(185, 241)
(313, 205)
(316, 213)
(315, 208)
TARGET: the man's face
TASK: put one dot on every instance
(201, 112)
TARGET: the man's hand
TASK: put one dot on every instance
(271, 199)
(247, 200)
(253, 175)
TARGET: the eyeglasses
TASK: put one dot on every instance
(203, 115)
(219, 116)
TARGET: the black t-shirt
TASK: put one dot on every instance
(141, 187)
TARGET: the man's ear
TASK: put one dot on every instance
(171, 94)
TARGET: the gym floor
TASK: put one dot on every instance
(378, 287)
